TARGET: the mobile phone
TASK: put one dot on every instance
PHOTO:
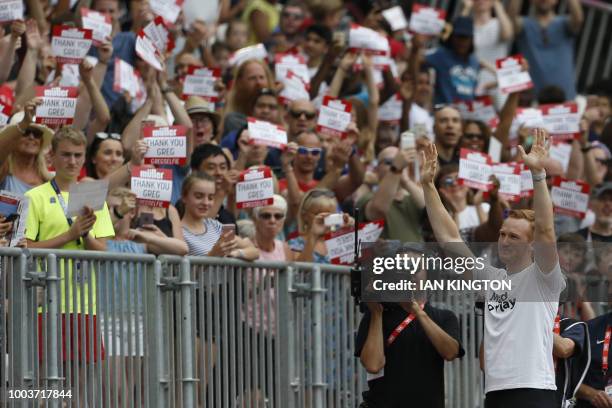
(12, 217)
(228, 227)
(408, 140)
(339, 37)
(145, 218)
(333, 220)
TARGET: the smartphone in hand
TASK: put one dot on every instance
(228, 228)
(145, 218)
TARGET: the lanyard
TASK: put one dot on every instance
(62, 204)
(557, 330)
(400, 327)
(606, 349)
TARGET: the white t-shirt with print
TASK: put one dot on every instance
(518, 338)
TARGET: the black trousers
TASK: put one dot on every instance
(521, 398)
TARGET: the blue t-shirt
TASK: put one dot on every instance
(124, 45)
(550, 52)
(456, 77)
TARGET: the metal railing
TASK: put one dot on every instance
(123, 330)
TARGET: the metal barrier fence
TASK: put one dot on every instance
(123, 330)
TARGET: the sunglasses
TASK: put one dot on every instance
(298, 114)
(268, 216)
(104, 136)
(388, 161)
(479, 136)
(313, 151)
(603, 162)
(295, 16)
(33, 133)
(449, 181)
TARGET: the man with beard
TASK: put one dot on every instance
(518, 335)
(210, 159)
(547, 42)
(448, 130)
(601, 205)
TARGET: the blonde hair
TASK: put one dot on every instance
(70, 134)
(318, 197)
(279, 203)
(121, 192)
(528, 215)
(236, 98)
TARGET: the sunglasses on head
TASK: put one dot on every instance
(104, 136)
(32, 132)
(268, 216)
(313, 151)
(297, 114)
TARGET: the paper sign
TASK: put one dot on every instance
(153, 187)
(294, 88)
(70, 45)
(11, 10)
(20, 223)
(527, 118)
(396, 18)
(166, 144)
(482, 109)
(475, 169)
(5, 114)
(158, 33)
(291, 62)
(391, 110)
(341, 244)
(561, 121)
(266, 133)
(509, 176)
(9, 204)
(561, 152)
(255, 188)
(510, 75)
(570, 197)
(168, 9)
(427, 20)
(14, 207)
(257, 52)
(90, 194)
(363, 38)
(495, 149)
(334, 117)
(99, 23)
(201, 82)
(58, 105)
(70, 75)
(147, 51)
(526, 182)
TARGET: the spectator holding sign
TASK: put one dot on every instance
(398, 199)
(23, 145)
(547, 41)
(204, 234)
(455, 64)
(268, 222)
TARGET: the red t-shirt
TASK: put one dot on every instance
(304, 187)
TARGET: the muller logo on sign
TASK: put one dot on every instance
(570, 185)
(56, 92)
(164, 131)
(73, 33)
(477, 157)
(151, 174)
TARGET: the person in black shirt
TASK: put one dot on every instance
(592, 392)
(407, 371)
(572, 352)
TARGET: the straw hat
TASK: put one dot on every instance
(195, 104)
(46, 132)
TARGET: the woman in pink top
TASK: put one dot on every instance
(268, 224)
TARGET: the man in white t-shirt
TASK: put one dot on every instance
(518, 338)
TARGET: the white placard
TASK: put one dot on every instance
(570, 197)
(147, 51)
(510, 75)
(396, 18)
(255, 188)
(427, 20)
(257, 52)
(266, 133)
(166, 145)
(363, 38)
(509, 176)
(70, 45)
(100, 24)
(168, 9)
(334, 117)
(291, 62)
(294, 88)
(153, 187)
(58, 105)
(90, 194)
(475, 169)
(11, 10)
(391, 110)
(561, 152)
(495, 149)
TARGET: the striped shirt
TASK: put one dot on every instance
(201, 244)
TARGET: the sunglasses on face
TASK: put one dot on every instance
(33, 133)
(473, 136)
(313, 151)
(449, 181)
(603, 162)
(268, 216)
(388, 161)
(295, 16)
(104, 136)
(298, 114)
